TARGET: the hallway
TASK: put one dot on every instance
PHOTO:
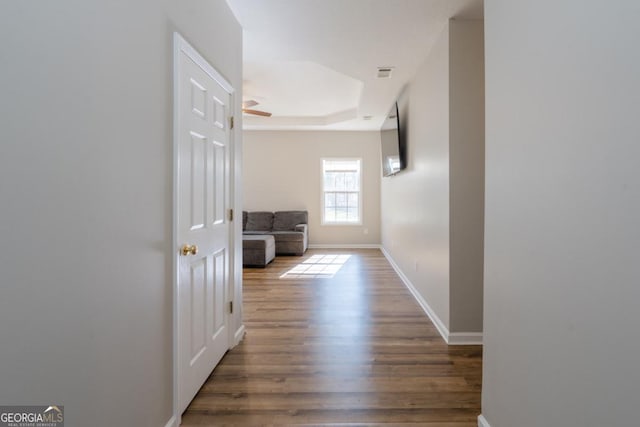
(334, 337)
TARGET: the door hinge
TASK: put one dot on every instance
(231, 123)
(230, 214)
(231, 307)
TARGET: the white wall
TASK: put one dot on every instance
(282, 171)
(562, 208)
(85, 185)
(432, 213)
(415, 203)
(466, 173)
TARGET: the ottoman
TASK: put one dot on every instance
(258, 250)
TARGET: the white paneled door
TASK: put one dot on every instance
(202, 195)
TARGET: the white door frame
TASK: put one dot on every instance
(180, 45)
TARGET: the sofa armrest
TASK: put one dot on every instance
(301, 227)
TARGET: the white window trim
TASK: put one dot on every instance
(360, 222)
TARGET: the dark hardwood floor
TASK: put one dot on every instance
(338, 341)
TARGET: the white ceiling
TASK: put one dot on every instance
(313, 63)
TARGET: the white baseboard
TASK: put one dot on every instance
(421, 301)
(171, 423)
(465, 338)
(451, 338)
(238, 336)
(482, 421)
(345, 246)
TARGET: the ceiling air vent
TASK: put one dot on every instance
(384, 72)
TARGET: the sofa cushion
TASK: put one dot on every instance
(287, 220)
(259, 221)
(245, 217)
(258, 250)
(257, 241)
(288, 236)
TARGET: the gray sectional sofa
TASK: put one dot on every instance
(288, 228)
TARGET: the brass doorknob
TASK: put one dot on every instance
(189, 249)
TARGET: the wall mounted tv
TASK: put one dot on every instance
(392, 151)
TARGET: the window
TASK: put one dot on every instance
(341, 191)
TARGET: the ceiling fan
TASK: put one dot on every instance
(246, 108)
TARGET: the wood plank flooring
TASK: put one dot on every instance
(338, 341)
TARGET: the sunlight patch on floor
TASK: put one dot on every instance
(322, 266)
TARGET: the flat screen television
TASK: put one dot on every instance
(392, 151)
